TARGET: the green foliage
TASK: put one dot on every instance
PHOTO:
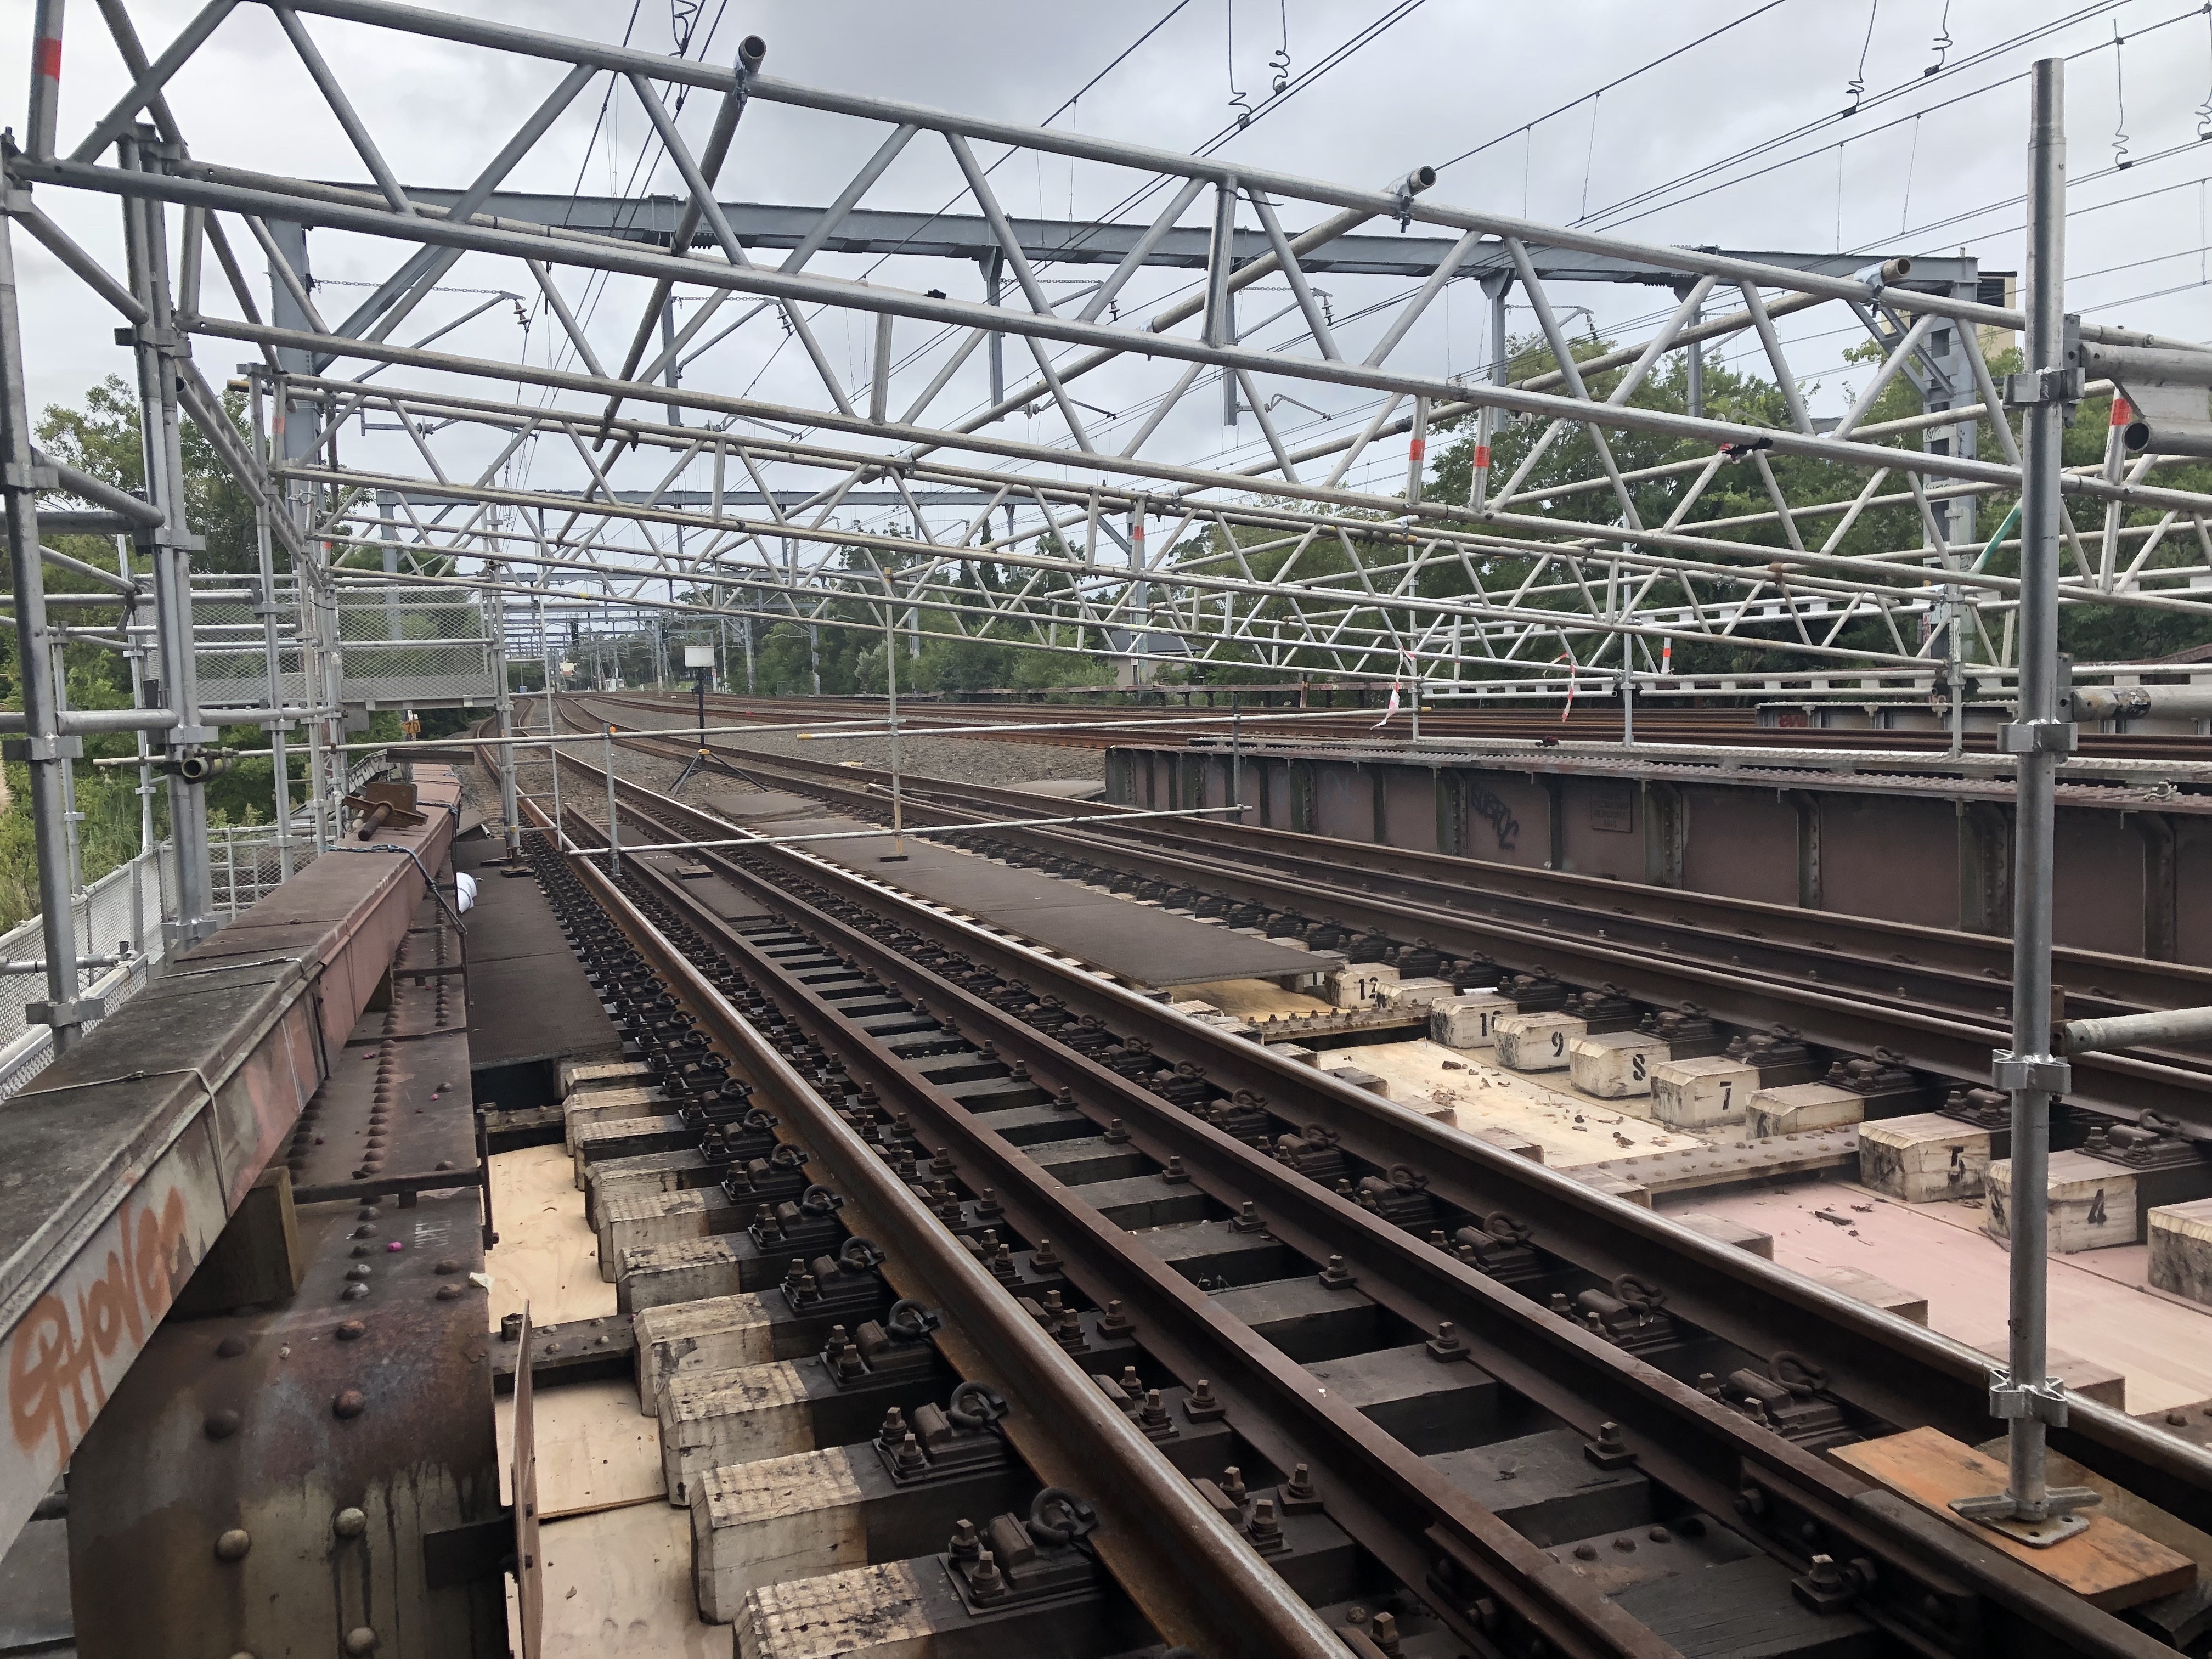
(100, 437)
(1557, 487)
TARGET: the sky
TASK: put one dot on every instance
(1695, 150)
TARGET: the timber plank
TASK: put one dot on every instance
(2109, 1565)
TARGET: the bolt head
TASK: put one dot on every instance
(350, 1330)
(359, 1640)
(350, 1523)
(349, 1403)
(221, 1425)
(232, 1545)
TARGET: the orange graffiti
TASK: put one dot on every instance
(54, 1382)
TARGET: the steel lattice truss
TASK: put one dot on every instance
(792, 473)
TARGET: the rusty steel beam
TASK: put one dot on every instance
(120, 1164)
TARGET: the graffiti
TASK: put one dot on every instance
(1496, 813)
(55, 1385)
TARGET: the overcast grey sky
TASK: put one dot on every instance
(1926, 166)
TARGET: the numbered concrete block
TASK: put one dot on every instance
(1418, 992)
(2181, 1249)
(1702, 1094)
(1925, 1159)
(1358, 984)
(1799, 1108)
(2091, 1203)
(1537, 1043)
(1469, 1022)
(1613, 1064)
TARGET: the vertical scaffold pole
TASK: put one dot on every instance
(44, 747)
(2024, 1394)
(510, 810)
(614, 833)
(897, 853)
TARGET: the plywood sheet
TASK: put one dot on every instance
(2108, 1565)
(1482, 1096)
(1141, 944)
(2162, 1346)
(595, 1450)
(618, 1586)
(1250, 999)
(546, 1256)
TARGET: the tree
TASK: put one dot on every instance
(100, 437)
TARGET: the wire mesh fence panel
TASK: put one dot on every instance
(249, 862)
(125, 915)
(118, 916)
(230, 646)
(404, 643)
(414, 644)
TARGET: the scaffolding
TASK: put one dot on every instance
(428, 512)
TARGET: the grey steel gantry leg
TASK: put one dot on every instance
(49, 753)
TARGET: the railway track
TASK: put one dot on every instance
(1858, 987)
(1113, 725)
(1384, 1319)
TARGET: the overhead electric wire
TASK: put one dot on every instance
(1334, 58)
(1613, 215)
(1618, 81)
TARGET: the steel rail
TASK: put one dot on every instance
(1657, 731)
(1580, 1378)
(1192, 1576)
(1395, 1506)
(1895, 1371)
(1955, 1042)
(2099, 980)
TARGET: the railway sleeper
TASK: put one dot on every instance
(1323, 1314)
(1279, 1308)
(1768, 1585)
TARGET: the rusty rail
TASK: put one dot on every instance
(1691, 1446)
(1194, 1577)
